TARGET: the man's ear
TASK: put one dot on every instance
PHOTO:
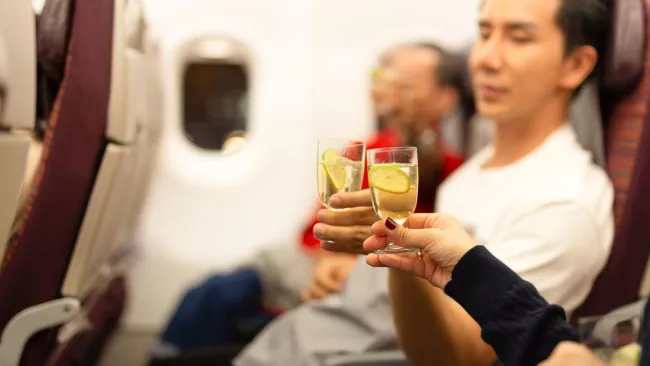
(577, 67)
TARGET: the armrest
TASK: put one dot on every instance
(605, 325)
(377, 358)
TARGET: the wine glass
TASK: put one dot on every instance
(393, 180)
(340, 167)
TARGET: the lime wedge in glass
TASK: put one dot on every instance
(334, 167)
(389, 178)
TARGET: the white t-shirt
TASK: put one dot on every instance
(548, 216)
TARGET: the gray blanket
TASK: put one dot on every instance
(357, 320)
(285, 272)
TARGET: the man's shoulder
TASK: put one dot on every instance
(574, 177)
(557, 179)
(568, 175)
(576, 198)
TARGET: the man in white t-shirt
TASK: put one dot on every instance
(547, 215)
(533, 197)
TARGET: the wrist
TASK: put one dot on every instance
(457, 258)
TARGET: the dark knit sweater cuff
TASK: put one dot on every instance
(478, 280)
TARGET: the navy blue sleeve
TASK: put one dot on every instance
(521, 327)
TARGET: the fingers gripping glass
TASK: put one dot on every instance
(393, 180)
(340, 167)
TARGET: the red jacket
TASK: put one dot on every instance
(387, 138)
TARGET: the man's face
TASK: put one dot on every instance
(518, 62)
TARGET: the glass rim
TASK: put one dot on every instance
(344, 142)
(401, 148)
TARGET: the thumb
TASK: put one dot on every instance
(408, 238)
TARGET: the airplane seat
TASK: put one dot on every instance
(82, 342)
(144, 64)
(100, 261)
(99, 235)
(53, 24)
(38, 253)
(625, 91)
(18, 149)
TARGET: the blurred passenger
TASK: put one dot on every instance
(358, 319)
(212, 313)
(534, 197)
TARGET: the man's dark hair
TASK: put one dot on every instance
(585, 23)
(452, 72)
(448, 68)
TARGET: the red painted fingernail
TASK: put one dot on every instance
(390, 224)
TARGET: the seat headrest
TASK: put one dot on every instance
(53, 35)
(587, 121)
(625, 55)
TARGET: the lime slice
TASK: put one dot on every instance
(334, 168)
(330, 156)
(627, 355)
(389, 178)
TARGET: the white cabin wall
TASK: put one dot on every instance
(207, 213)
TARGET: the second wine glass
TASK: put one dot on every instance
(340, 168)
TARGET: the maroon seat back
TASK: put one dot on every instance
(625, 100)
(104, 310)
(38, 254)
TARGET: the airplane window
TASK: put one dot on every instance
(215, 103)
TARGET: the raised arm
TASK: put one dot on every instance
(514, 318)
(508, 312)
(432, 328)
